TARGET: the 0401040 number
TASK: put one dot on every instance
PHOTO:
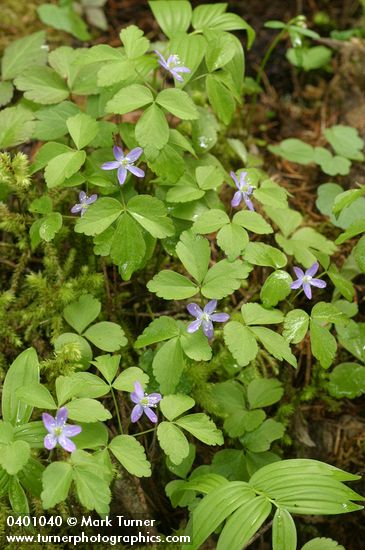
(40, 521)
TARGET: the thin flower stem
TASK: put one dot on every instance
(117, 410)
(145, 432)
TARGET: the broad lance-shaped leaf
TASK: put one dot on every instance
(130, 453)
(264, 255)
(151, 214)
(284, 533)
(322, 543)
(173, 16)
(244, 523)
(173, 442)
(17, 497)
(162, 328)
(194, 253)
(215, 507)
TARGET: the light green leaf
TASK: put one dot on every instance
(201, 427)
(63, 18)
(263, 392)
(168, 365)
(42, 85)
(14, 456)
(130, 453)
(82, 128)
(16, 126)
(196, 345)
(255, 314)
(295, 326)
(220, 98)
(17, 497)
(272, 195)
(284, 533)
(321, 543)
(83, 312)
(81, 348)
(6, 93)
(88, 385)
(190, 49)
(173, 406)
(62, 167)
(57, 479)
(260, 440)
(209, 177)
(92, 488)
(106, 336)
(107, 365)
(210, 221)
(152, 129)
(50, 225)
(162, 328)
(223, 278)
(346, 141)
(172, 286)
(275, 344)
(173, 442)
(244, 523)
(294, 150)
(178, 103)
(253, 222)
(23, 53)
(323, 344)
(240, 342)
(194, 253)
(99, 216)
(265, 255)
(276, 288)
(87, 410)
(286, 219)
(359, 254)
(135, 44)
(173, 16)
(22, 372)
(93, 436)
(151, 214)
(232, 239)
(36, 395)
(129, 99)
(331, 165)
(128, 247)
(220, 49)
(125, 381)
(347, 380)
(325, 313)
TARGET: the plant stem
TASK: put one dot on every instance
(117, 411)
(145, 432)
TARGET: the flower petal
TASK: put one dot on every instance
(66, 443)
(182, 70)
(312, 270)
(118, 153)
(82, 196)
(154, 398)
(219, 317)
(61, 416)
(307, 290)
(318, 283)
(50, 441)
(138, 172)
(176, 75)
(296, 284)
(234, 177)
(134, 397)
(48, 421)
(243, 176)
(237, 197)
(210, 307)
(76, 208)
(150, 414)
(248, 202)
(208, 329)
(298, 272)
(71, 430)
(194, 310)
(162, 60)
(91, 199)
(112, 165)
(122, 174)
(138, 389)
(136, 413)
(134, 154)
(194, 326)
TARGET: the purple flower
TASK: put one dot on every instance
(59, 431)
(244, 191)
(144, 402)
(84, 203)
(306, 280)
(173, 65)
(124, 163)
(205, 318)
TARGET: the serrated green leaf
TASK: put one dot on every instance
(130, 453)
(62, 167)
(201, 427)
(173, 442)
(347, 380)
(178, 103)
(275, 344)
(232, 239)
(57, 479)
(173, 406)
(16, 126)
(87, 410)
(135, 44)
(210, 221)
(83, 312)
(295, 326)
(82, 128)
(129, 99)
(128, 247)
(23, 53)
(99, 216)
(172, 286)
(264, 255)
(255, 314)
(151, 214)
(106, 336)
(14, 456)
(223, 278)
(323, 344)
(127, 378)
(263, 392)
(152, 129)
(276, 288)
(168, 365)
(240, 342)
(42, 85)
(194, 253)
